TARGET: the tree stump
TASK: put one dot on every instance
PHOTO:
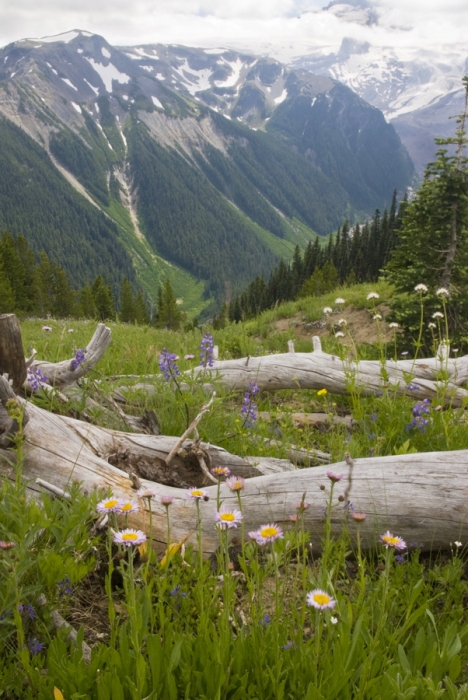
(12, 360)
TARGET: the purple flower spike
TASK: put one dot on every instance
(249, 407)
(37, 379)
(78, 360)
(168, 365)
(206, 351)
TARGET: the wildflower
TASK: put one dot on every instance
(228, 518)
(35, 647)
(405, 352)
(287, 646)
(438, 314)
(249, 407)
(293, 518)
(46, 328)
(28, 610)
(220, 471)
(400, 558)
(340, 301)
(303, 505)
(334, 477)
(394, 324)
(129, 537)
(168, 365)
(268, 533)
(422, 408)
(431, 325)
(328, 310)
(443, 292)
(197, 494)
(146, 493)
(358, 517)
(457, 544)
(389, 540)
(167, 500)
(372, 295)
(267, 620)
(109, 505)
(70, 330)
(128, 507)
(7, 545)
(419, 422)
(339, 335)
(189, 357)
(235, 483)
(333, 620)
(37, 379)
(78, 360)
(421, 288)
(176, 591)
(413, 387)
(320, 600)
(377, 317)
(65, 587)
(322, 392)
(342, 322)
(206, 350)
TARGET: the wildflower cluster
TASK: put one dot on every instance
(168, 365)
(117, 505)
(78, 360)
(207, 351)
(421, 409)
(249, 407)
(36, 379)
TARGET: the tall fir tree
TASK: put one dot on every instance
(433, 247)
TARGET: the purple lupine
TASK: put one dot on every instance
(249, 407)
(168, 365)
(206, 350)
(35, 646)
(37, 379)
(64, 586)
(78, 360)
(421, 409)
(27, 610)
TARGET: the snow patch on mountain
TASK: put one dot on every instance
(108, 74)
(236, 67)
(194, 80)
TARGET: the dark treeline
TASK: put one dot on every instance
(351, 256)
(31, 287)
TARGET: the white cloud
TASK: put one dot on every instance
(252, 24)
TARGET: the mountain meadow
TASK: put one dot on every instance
(233, 365)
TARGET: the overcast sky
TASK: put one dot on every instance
(292, 24)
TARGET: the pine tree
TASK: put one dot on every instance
(433, 247)
(127, 303)
(169, 314)
(7, 297)
(141, 310)
(103, 299)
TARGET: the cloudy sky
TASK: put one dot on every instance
(292, 26)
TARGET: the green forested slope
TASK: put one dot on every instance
(188, 221)
(38, 202)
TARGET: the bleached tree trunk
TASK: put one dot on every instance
(421, 497)
(319, 370)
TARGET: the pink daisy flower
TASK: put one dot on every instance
(109, 505)
(228, 518)
(268, 533)
(197, 494)
(235, 483)
(389, 540)
(129, 537)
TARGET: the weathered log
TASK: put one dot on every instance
(421, 497)
(67, 372)
(12, 360)
(438, 377)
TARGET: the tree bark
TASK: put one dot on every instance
(12, 360)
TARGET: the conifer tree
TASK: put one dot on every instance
(433, 248)
(127, 303)
(141, 310)
(103, 299)
(7, 298)
(169, 314)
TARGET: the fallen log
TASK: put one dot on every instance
(422, 497)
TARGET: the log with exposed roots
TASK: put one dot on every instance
(421, 497)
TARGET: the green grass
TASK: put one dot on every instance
(207, 630)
